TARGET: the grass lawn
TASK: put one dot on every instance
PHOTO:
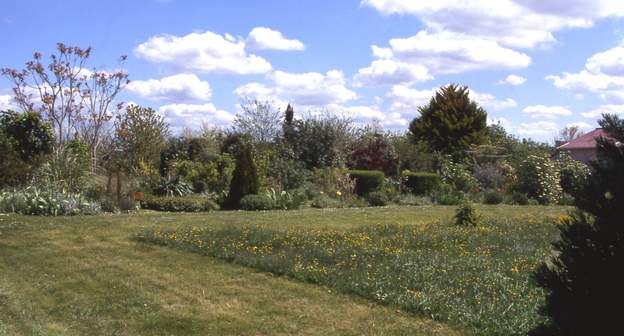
(86, 276)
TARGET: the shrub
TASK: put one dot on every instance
(179, 204)
(172, 186)
(446, 195)
(520, 198)
(466, 215)
(377, 198)
(489, 175)
(457, 175)
(377, 153)
(421, 183)
(538, 177)
(46, 202)
(367, 181)
(493, 197)
(323, 201)
(333, 181)
(257, 202)
(287, 200)
(574, 175)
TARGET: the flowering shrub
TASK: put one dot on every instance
(334, 182)
(574, 174)
(457, 175)
(538, 177)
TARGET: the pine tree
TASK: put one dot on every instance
(451, 122)
(585, 282)
(245, 179)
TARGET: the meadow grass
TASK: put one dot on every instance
(85, 275)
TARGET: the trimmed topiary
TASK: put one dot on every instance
(179, 204)
(367, 181)
(466, 215)
(421, 183)
(377, 198)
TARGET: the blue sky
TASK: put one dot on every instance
(534, 65)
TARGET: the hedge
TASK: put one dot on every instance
(367, 181)
(421, 183)
(179, 204)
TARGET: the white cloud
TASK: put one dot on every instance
(407, 101)
(202, 52)
(550, 112)
(267, 38)
(516, 23)
(176, 88)
(603, 75)
(6, 103)
(387, 71)
(191, 116)
(500, 121)
(490, 102)
(539, 128)
(604, 109)
(581, 124)
(451, 53)
(309, 89)
(514, 80)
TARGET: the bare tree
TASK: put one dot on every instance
(101, 90)
(569, 133)
(260, 119)
(77, 102)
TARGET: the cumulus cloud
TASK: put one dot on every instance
(604, 109)
(514, 80)
(192, 115)
(426, 54)
(491, 103)
(6, 103)
(205, 52)
(309, 89)
(177, 88)
(515, 23)
(550, 112)
(538, 128)
(388, 72)
(603, 75)
(580, 124)
(267, 38)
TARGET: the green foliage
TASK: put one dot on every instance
(245, 180)
(421, 183)
(466, 215)
(446, 195)
(334, 182)
(519, 198)
(476, 277)
(323, 201)
(211, 176)
(451, 123)
(538, 177)
(68, 168)
(413, 156)
(493, 197)
(257, 202)
(413, 200)
(172, 186)
(25, 140)
(584, 278)
(574, 175)
(377, 198)
(287, 200)
(46, 202)
(191, 203)
(367, 181)
(457, 175)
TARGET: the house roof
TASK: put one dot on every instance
(585, 141)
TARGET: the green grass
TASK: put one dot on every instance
(85, 275)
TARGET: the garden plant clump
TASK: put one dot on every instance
(477, 277)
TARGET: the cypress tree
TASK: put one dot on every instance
(245, 179)
(585, 282)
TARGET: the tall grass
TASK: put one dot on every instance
(476, 277)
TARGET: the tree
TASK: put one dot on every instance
(25, 140)
(377, 153)
(260, 120)
(245, 180)
(584, 281)
(75, 100)
(569, 133)
(451, 122)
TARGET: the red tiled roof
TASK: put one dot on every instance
(585, 141)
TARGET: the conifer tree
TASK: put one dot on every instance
(585, 281)
(451, 122)
(245, 179)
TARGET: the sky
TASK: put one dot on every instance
(535, 66)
